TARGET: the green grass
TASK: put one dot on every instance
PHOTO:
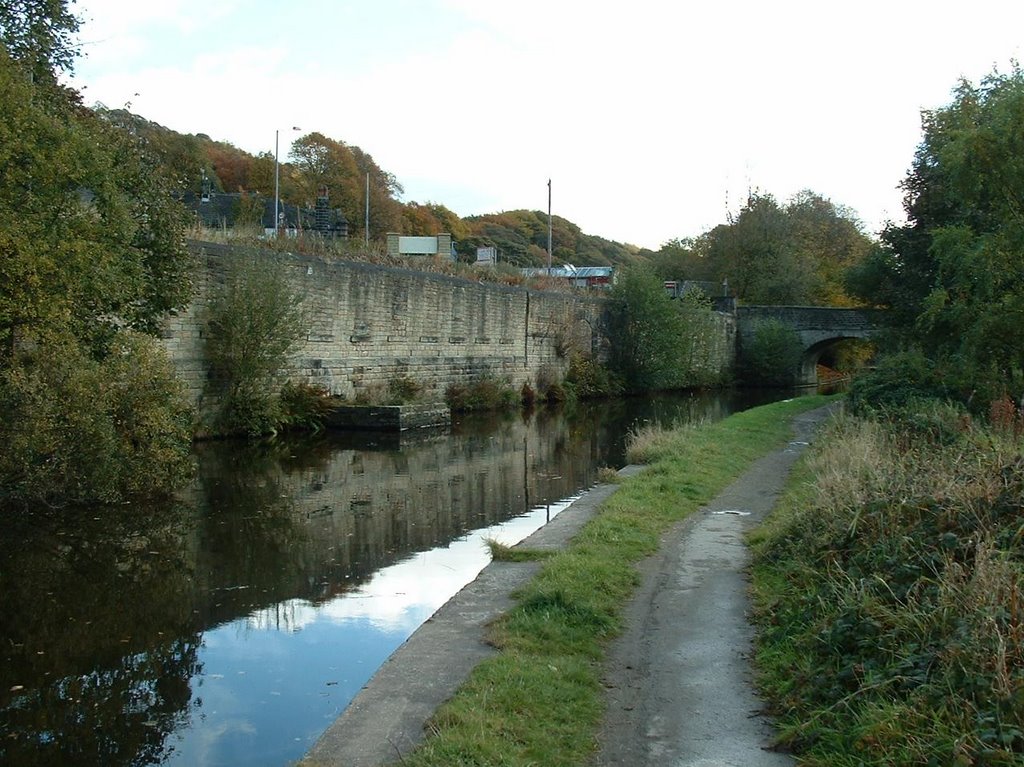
(503, 553)
(540, 701)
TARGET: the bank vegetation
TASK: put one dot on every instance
(890, 591)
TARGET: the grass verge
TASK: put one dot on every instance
(539, 701)
(889, 596)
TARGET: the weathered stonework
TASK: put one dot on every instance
(372, 324)
(388, 417)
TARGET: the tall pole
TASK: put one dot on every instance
(366, 228)
(549, 227)
(277, 180)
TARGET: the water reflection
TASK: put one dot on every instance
(233, 625)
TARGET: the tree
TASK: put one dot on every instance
(756, 253)
(684, 259)
(39, 36)
(91, 248)
(772, 356)
(385, 210)
(829, 237)
(644, 331)
(774, 254)
(255, 319)
(91, 240)
(319, 161)
(955, 271)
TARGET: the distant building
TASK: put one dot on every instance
(595, 277)
(679, 288)
(600, 277)
(438, 245)
(487, 255)
(224, 210)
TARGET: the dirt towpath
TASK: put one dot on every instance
(678, 680)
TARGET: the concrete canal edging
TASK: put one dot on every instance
(387, 718)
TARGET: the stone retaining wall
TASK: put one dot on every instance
(372, 324)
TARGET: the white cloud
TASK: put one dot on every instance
(650, 117)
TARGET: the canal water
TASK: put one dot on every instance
(233, 625)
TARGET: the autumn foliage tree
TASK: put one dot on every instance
(91, 257)
(319, 161)
(784, 254)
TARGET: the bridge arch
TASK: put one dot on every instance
(819, 328)
(808, 372)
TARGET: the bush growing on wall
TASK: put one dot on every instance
(253, 321)
(485, 393)
(588, 378)
(772, 356)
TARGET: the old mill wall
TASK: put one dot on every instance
(371, 324)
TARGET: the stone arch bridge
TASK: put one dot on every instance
(820, 328)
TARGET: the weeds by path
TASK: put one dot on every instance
(890, 597)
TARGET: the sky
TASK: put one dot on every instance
(653, 119)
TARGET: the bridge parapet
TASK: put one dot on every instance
(819, 329)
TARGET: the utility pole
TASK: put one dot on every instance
(549, 227)
(366, 228)
(277, 178)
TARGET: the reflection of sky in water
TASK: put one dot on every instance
(272, 682)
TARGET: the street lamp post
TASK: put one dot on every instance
(549, 227)
(277, 178)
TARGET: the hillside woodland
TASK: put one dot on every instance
(768, 252)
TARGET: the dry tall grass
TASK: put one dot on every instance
(891, 597)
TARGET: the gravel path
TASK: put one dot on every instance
(678, 680)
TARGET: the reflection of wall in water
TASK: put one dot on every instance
(315, 529)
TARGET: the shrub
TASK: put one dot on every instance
(303, 405)
(644, 329)
(253, 321)
(482, 394)
(899, 380)
(78, 430)
(403, 390)
(587, 378)
(556, 393)
(772, 356)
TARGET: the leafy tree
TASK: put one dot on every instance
(232, 166)
(90, 249)
(91, 240)
(755, 253)
(796, 253)
(772, 356)
(954, 272)
(320, 161)
(829, 237)
(77, 429)
(181, 158)
(684, 259)
(261, 178)
(385, 210)
(645, 328)
(39, 36)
